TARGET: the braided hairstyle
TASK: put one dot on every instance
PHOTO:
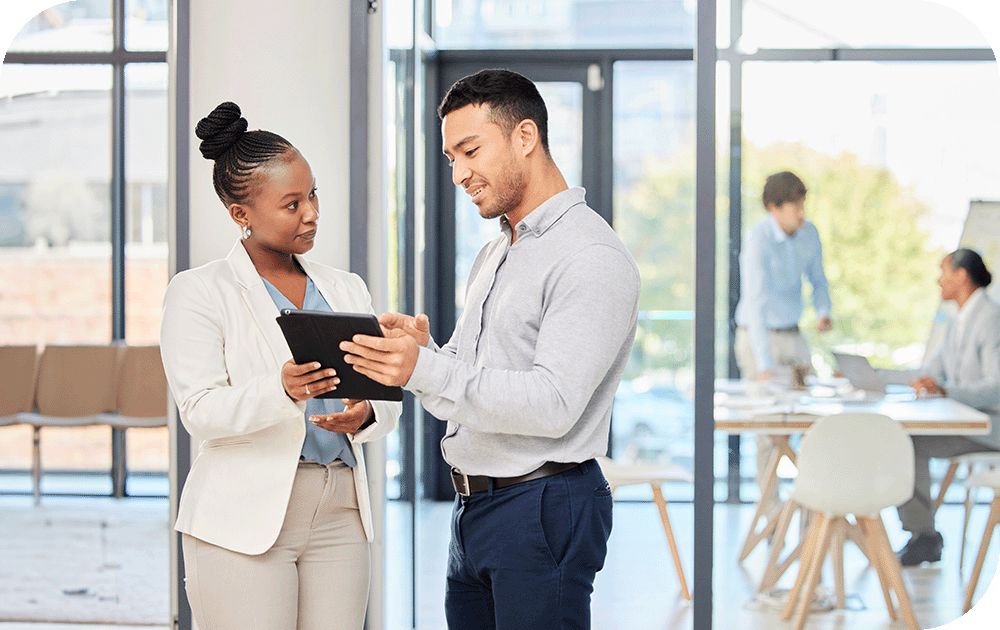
(238, 153)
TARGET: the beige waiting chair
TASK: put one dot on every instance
(18, 370)
(619, 474)
(972, 462)
(852, 464)
(141, 391)
(141, 402)
(983, 479)
(75, 385)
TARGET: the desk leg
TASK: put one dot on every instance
(777, 546)
(753, 537)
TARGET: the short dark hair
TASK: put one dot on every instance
(973, 264)
(511, 97)
(783, 187)
(237, 153)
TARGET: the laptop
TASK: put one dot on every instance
(862, 376)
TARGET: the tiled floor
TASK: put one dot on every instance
(636, 591)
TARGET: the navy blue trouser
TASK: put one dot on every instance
(525, 556)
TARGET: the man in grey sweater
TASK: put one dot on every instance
(527, 381)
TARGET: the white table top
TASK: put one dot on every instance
(775, 411)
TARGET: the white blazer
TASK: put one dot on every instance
(223, 351)
(967, 365)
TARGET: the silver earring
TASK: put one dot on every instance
(246, 232)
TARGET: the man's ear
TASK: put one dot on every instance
(526, 137)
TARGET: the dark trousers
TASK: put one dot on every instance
(525, 556)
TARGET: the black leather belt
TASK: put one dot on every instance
(786, 329)
(467, 484)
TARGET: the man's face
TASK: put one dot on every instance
(950, 280)
(483, 160)
(790, 215)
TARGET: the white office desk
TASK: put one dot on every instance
(780, 413)
(928, 416)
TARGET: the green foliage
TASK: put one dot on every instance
(881, 269)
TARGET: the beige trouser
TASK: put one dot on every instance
(315, 577)
(788, 348)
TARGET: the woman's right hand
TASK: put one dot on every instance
(306, 381)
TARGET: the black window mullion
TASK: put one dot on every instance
(118, 463)
(86, 58)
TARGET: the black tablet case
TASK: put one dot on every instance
(316, 336)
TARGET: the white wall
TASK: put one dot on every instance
(286, 65)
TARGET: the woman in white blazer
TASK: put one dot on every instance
(965, 367)
(275, 512)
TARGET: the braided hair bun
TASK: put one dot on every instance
(220, 130)
(238, 154)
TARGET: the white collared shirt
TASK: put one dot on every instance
(530, 373)
(963, 313)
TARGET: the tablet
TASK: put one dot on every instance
(316, 336)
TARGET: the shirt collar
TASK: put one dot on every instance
(779, 234)
(544, 216)
(970, 304)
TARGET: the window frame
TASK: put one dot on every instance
(118, 58)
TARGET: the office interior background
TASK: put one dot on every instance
(891, 122)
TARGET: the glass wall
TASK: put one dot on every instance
(904, 149)
(892, 137)
(805, 24)
(892, 144)
(57, 258)
(654, 215)
(504, 24)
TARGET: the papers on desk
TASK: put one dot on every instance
(743, 402)
(790, 410)
(764, 406)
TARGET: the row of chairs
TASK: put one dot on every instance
(119, 386)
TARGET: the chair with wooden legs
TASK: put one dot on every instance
(983, 479)
(655, 475)
(776, 566)
(988, 460)
(851, 465)
(765, 517)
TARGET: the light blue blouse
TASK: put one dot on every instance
(772, 265)
(320, 446)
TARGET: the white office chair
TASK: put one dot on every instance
(983, 479)
(852, 464)
(987, 460)
(655, 475)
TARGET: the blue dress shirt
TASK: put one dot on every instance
(771, 268)
(320, 446)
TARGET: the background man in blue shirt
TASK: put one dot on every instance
(778, 252)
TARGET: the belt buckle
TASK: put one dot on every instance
(460, 481)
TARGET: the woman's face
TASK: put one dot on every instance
(951, 279)
(283, 215)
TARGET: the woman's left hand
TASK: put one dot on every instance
(355, 414)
